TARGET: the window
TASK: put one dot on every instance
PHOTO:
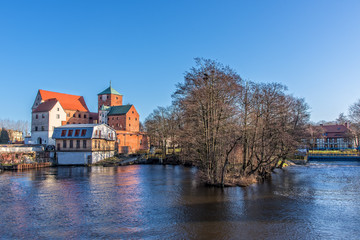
(83, 132)
(63, 133)
(64, 144)
(77, 143)
(77, 132)
(113, 118)
(42, 115)
(85, 116)
(68, 114)
(132, 112)
(74, 115)
(117, 98)
(84, 143)
(58, 146)
(140, 141)
(79, 115)
(58, 109)
(129, 118)
(117, 118)
(129, 125)
(96, 133)
(36, 128)
(99, 133)
(71, 144)
(57, 116)
(135, 119)
(36, 116)
(70, 133)
(42, 128)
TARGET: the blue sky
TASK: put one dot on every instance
(145, 47)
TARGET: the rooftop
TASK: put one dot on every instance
(46, 106)
(119, 110)
(109, 90)
(67, 101)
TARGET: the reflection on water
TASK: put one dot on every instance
(320, 200)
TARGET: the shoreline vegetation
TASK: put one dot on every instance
(236, 132)
(232, 179)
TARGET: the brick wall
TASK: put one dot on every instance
(109, 100)
(77, 117)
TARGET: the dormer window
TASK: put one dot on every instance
(77, 132)
(63, 133)
(70, 133)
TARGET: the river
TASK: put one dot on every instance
(316, 201)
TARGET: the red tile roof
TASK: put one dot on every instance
(46, 106)
(335, 131)
(67, 101)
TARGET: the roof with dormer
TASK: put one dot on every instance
(67, 101)
(109, 90)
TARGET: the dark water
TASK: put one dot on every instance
(318, 201)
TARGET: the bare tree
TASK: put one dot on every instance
(354, 115)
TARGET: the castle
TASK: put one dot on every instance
(53, 109)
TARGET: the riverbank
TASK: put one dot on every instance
(24, 166)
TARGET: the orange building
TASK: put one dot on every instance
(124, 119)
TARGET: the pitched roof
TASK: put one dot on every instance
(109, 90)
(119, 110)
(67, 101)
(46, 106)
(335, 131)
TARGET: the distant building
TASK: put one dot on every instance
(10, 136)
(82, 144)
(52, 109)
(333, 137)
(124, 119)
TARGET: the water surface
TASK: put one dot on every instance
(318, 201)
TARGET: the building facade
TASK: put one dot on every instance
(124, 119)
(52, 109)
(332, 137)
(83, 144)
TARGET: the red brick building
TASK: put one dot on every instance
(124, 119)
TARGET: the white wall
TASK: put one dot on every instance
(103, 116)
(81, 158)
(54, 121)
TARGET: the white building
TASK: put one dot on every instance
(48, 115)
(53, 109)
(83, 144)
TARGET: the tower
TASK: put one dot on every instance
(109, 97)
